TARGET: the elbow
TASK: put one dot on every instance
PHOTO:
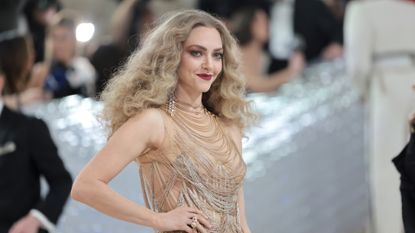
(79, 191)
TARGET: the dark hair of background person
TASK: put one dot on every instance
(225, 9)
(14, 60)
(316, 24)
(108, 57)
(139, 11)
(9, 14)
(38, 29)
(241, 23)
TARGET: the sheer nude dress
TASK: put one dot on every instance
(198, 165)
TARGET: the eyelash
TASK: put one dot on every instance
(219, 55)
(196, 53)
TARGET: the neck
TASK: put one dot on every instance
(193, 100)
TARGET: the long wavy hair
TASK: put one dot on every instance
(150, 74)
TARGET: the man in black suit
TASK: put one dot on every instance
(27, 153)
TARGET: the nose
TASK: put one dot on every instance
(207, 63)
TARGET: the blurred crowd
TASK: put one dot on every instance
(42, 59)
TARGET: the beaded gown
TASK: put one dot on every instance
(198, 165)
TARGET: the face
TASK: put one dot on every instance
(201, 60)
(64, 44)
(260, 26)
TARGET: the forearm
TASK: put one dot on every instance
(101, 197)
(268, 84)
(283, 75)
(274, 81)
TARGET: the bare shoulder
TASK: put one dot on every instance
(149, 124)
(150, 115)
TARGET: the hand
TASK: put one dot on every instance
(296, 63)
(39, 74)
(27, 224)
(333, 51)
(180, 219)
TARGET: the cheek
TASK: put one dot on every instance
(218, 67)
(188, 64)
(183, 69)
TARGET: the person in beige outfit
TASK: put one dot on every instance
(380, 55)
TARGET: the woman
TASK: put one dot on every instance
(16, 59)
(250, 26)
(177, 108)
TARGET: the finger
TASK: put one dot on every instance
(200, 228)
(201, 216)
(188, 229)
(203, 221)
(196, 211)
(189, 221)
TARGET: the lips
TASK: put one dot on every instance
(206, 77)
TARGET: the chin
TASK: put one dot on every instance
(205, 89)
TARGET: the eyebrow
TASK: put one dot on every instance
(203, 48)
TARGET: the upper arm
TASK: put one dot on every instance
(144, 131)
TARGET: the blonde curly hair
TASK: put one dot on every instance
(150, 74)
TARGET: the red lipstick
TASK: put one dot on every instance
(206, 77)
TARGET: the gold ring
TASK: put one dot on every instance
(194, 223)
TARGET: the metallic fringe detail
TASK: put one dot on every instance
(171, 108)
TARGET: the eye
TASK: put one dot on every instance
(218, 56)
(196, 53)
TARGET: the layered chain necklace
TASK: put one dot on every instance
(201, 126)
